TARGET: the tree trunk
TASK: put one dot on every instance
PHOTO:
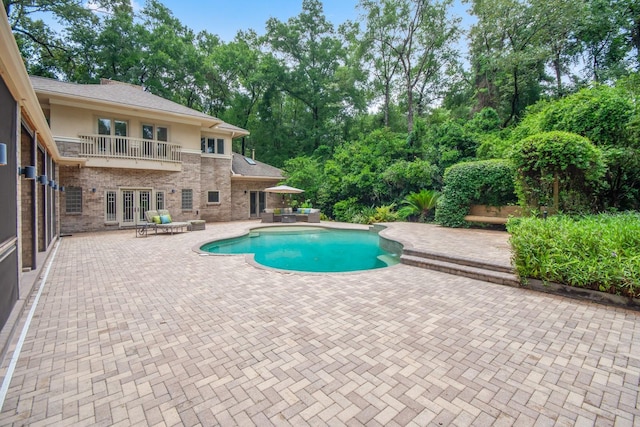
(514, 99)
(387, 101)
(409, 108)
(556, 66)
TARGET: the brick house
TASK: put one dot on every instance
(116, 151)
(136, 151)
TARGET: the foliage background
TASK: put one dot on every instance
(376, 109)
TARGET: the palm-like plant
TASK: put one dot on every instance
(419, 205)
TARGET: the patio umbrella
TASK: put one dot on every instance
(283, 189)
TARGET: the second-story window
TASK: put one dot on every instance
(212, 145)
(113, 128)
(158, 133)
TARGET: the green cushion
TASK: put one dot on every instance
(276, 211)
(165, 219)
(156, 219)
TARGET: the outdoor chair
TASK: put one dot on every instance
(161, 220)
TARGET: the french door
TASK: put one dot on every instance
(257, 203)
(135, 203)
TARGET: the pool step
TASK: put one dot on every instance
(474, 269)
(388, 259)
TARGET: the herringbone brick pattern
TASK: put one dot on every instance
(143, 332)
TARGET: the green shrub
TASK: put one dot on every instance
(609, 118)
(570, 159)
(385, 213)
(344, 210)
(403, 177)
(350, 211)
(600, 113)
(486, 182)
(419, 206)
(598, 252)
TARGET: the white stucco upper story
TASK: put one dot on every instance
(76, 112)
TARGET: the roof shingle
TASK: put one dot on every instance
(120, 94)
(240, 166)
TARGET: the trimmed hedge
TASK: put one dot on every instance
(597, 252)
(486, 182)
(570, 158)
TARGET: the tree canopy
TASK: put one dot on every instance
(379, 107)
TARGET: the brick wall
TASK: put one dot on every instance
(240, 197)
(199, 174)
(215, 174)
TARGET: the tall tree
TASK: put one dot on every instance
(417, 37)
(311, 55)
(248, 72)
(560, 37)
(49, 52)
(507, 54)
(607, 37)
(170, 61)
(376, 50)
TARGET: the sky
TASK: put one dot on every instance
(226, 17)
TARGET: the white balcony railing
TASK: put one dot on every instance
(124, 147)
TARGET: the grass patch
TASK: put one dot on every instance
(599, 252)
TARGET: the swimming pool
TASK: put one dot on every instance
(311, 249)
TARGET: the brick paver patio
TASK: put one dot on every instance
(145, 331)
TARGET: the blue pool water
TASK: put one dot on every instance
(311, 249)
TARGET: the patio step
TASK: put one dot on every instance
(459, 260)
(473, 269)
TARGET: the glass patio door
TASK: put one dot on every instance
(135, 203)
(256, 203)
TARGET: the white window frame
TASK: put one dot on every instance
(118, 143)
(161, 200)
(155, 129)
(111, 199)
(112, 126)
(215, 142)
(209, 192)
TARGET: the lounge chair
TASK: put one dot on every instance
(169, 226)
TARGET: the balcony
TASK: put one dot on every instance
(128, 152)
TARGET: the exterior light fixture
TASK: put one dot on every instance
(173, 190)
(62, 188)
(42, 179)
(93, 190)
(3, 154)
(52, 183)
(29, 172)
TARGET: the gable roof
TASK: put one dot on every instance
(242, 169)
(118, 94)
